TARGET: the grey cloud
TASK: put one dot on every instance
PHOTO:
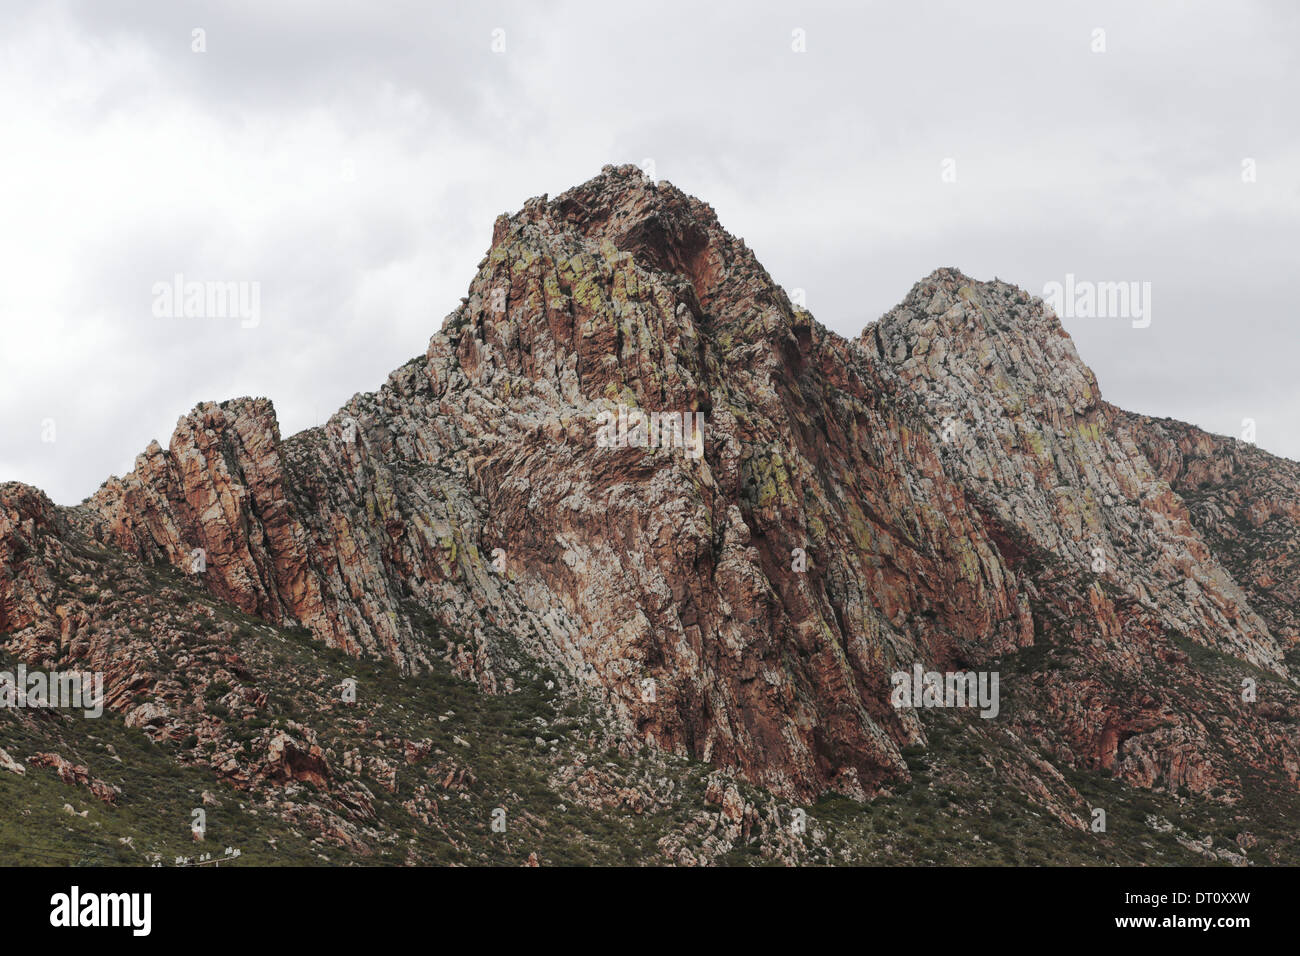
(1122, 165)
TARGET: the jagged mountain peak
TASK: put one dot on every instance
(622, 202)
(661, 227)
(949, 491)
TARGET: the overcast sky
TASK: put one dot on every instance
(351, 159)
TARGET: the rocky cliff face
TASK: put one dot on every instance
(781, 521)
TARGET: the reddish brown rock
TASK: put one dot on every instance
(948, 489)
(76, 775)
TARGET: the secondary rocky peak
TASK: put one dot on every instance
(995, 374)
(995, 329)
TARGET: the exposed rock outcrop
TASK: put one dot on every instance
(949, 489)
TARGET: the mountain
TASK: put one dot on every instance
(635, 554)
